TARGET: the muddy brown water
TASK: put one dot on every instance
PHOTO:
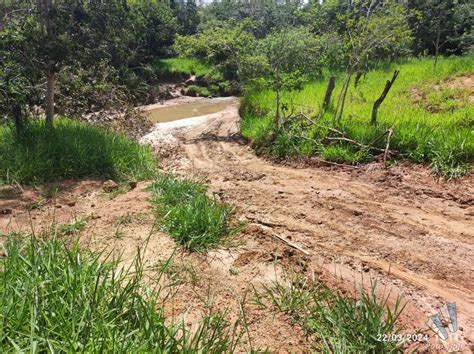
(188, 109)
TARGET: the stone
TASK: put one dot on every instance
(110, 186)
(6, 211)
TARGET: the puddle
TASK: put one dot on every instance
(188, 110)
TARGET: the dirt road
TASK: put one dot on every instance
(411, 233)
(398, 225)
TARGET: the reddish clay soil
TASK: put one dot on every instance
(398, 225)
(412, 233)
(465, 82)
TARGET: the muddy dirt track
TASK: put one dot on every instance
(398, 225)
(411, 233)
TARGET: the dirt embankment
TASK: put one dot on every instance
(398, 225)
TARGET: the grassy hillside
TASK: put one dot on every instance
(432, 121)
(172, 67)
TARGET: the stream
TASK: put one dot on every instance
(199, 107)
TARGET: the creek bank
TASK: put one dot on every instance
(162, 137)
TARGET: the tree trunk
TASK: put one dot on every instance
(357, 78)
(329, 90)
(41, 16)
(278, 114)
(436, 44)
(343, 95)
(49, 99)
(379, 101)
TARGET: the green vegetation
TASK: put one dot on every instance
(82, 52)
(186, 213)
(207, 81)
(336, 322)
(172, 67)
(74, 58)
(269, 49)
(196, 91)
(74, 227)
(71, 150)
(61, 298)
(284, 61)
(430, 124)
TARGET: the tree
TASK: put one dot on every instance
(187, 17)
(441, 26)
(266, 16)
(463, 38)
(14, 93)
(58, 43)
(18, 83)
(48, 33)
(222, 47)
(41, 41)
(373, 33)
(440, 15)
(154, 26)
(284, 61)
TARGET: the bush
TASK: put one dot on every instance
(71, 150)
(59, 298)
(196, 91)
(188, 215)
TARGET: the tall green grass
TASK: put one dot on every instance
(171, 67)
(71, 150)
(184, 211)
(61, 298)
(437, 129)
(336, 322)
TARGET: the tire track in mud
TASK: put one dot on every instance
(413, 233)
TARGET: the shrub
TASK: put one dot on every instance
(194, 91)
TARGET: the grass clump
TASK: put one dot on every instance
(71, 150)
(432, 122)
(336, 322)
(59, 298)
(187, 214)
(344, 154)
(73, 227)
(196, 91)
